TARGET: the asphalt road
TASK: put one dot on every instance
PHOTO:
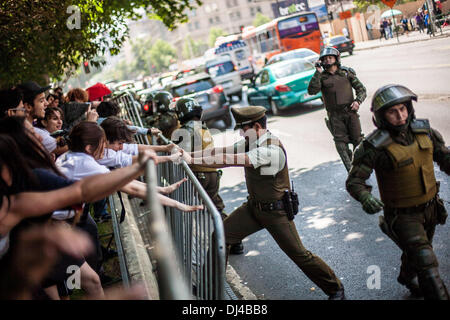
(331, 224)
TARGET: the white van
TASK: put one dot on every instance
(239, 53)
(224, 72)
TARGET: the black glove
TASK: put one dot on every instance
(371, 204)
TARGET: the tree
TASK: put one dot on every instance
(192, 48)
(260, 19)
(47, 38)
(364, 4)
(142, 60)
(162, 55)
(214, 33)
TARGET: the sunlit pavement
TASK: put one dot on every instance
(331, 224)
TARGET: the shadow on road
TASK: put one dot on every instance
(333, 226)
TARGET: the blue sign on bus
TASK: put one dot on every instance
(229, 46)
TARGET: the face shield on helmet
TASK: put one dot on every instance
(388, 96)
(330, 51)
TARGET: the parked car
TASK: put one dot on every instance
(282, 84)
(342, 43)
(124, 85)
(188, 72)
(304, 53)
(224, 72)
(210, 96)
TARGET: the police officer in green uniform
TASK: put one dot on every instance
(270, 195)
(165, 119)
(401, 151)
(336, 83)
(189, 112)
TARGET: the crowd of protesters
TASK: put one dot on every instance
(61, 156)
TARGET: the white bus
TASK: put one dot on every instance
(238, 51)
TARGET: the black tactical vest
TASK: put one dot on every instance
(336, 91)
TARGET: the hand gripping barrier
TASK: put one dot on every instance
(195, 248)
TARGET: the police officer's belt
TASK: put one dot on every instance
(340, 108)
(277, 205)
(418, 208)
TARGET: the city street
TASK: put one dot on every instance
(331, 223)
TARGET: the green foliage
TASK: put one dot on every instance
(192, 48)
(362, 5)
(36, 42)
(214, 33)
(260, 19)
(162, 55)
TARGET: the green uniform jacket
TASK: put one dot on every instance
(366, 158)
(315, 85)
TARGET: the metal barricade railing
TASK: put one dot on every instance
(198, 246)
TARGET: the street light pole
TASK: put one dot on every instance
(346, 24)
(431, 16)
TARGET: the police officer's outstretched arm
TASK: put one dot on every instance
(363, 164)
(441, 154)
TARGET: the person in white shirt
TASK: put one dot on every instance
(51, 124)
(121, 150)
(87, 143)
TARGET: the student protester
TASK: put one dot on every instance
(18, 204)
(53, 100)
(109, 108)
(87, 142)
(35, 104)
(49, 178)
(121, 150)
(11, 103)
(52, 123)
(118, 135)
(77, 108)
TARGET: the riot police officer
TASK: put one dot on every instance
(401, 151)
(336, 83)
(165, 119)
(189, 112)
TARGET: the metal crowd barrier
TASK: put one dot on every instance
(197, 242)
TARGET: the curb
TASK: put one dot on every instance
(140, 268)
(441, 36)
(240, 289)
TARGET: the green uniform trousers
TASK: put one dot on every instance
(345, 127)
(210, 181)
(413, 230)
(247, 219)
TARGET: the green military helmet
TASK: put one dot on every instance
(388, 96)
(330, 51)
(187, 109)
(162, 101)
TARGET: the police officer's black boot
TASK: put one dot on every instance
(338, 295)
(412, 285)
(237, 248)
(432, 286)
(408, 277)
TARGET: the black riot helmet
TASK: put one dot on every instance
(388, 96)
(147, 107)
(162, 101)
(187, 109)
(330, 51)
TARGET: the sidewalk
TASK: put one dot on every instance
(414, 36)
